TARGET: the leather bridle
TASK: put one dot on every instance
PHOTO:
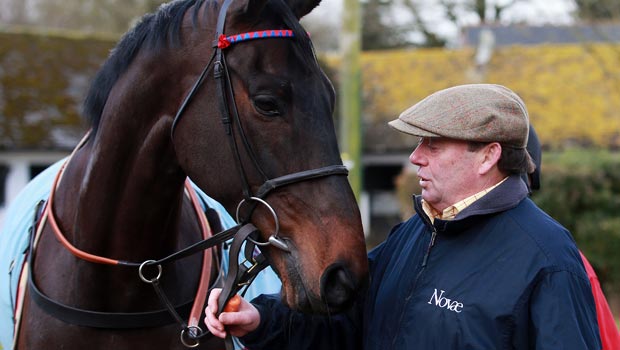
(230, 119)
(239, 275)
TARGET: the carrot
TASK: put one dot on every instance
(233, 304)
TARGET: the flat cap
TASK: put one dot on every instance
(474, 112)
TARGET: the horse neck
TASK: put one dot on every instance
(130, 170)
(122, 193)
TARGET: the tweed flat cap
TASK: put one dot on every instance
(475, 112)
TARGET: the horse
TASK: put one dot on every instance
(228, 94)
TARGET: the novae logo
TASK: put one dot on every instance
(443, 302)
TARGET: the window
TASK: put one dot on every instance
(36, 169)
(4, 172)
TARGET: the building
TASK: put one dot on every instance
(43, 79)
(526, 35)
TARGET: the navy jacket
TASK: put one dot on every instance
(502, 275)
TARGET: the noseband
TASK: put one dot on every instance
(230, 115)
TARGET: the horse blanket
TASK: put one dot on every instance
(14, 241)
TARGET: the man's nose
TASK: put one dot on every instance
(416, 157)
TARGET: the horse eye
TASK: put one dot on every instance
(267, 106)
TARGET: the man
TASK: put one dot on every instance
(478, 267)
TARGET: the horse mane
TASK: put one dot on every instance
(153, 31)
(161, 29)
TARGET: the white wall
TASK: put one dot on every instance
(19, 171)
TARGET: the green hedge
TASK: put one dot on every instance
(581, 189)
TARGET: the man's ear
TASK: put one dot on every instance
(489, 156)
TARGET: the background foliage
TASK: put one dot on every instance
(386, 23)
(43, 81)
(572, 92)
(581, 189)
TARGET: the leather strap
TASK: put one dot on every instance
(233, 281)
(121, 320)
(272, 184)
(95, 319)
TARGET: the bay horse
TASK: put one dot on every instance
(259, 136)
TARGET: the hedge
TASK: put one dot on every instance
(581, 189)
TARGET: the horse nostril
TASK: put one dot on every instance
(337, 287)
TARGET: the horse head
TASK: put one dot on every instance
(271, 119)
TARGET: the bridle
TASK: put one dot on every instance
(230, 119)
(239, 275)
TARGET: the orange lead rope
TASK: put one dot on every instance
(233, 304)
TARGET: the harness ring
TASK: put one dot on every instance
(273, 239)
(263, 202)
(141, 274)
(194, 332)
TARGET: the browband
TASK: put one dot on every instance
(224, 41)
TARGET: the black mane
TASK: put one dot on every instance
(162, 29)
(154, 31)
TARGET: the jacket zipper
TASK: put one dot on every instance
(417, 277)
(428, 250)
(426, 255)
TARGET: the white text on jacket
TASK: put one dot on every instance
(443, 302)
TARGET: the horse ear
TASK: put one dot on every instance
(302, 7)
(248, 8)
(252, 8)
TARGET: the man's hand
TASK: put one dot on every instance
(238, 323)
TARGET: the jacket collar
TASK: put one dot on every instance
(505, 196)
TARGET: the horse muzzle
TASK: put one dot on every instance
(339, 288)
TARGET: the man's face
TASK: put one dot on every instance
(447, 171)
